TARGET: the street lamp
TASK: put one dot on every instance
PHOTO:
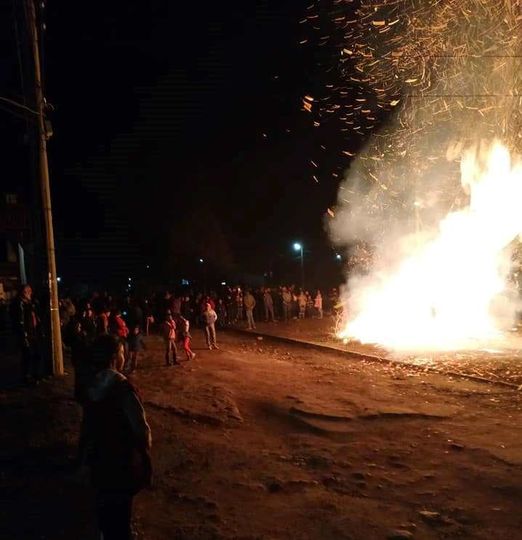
(299, 247)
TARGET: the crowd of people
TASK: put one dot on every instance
(170, 314)
(173, 315)
(233, 305)
(104, 336)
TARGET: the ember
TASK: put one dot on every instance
(441, 272)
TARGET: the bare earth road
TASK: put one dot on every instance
(268, 441)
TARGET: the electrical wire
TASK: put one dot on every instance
(19, 50)
(19, 105)
(15, 113)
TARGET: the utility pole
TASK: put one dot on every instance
(302, 269)
(56, 335)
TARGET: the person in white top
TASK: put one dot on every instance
(209, 317)
(183, 331)
(169, 335)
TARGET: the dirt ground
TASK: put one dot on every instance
(267, 441)
(500, 361)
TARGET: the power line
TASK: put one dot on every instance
(18, 114)
(20, 105)
(18, 49)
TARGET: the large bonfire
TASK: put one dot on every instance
(452, 290)
(434, 88)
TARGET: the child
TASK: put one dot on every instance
(169, 335)
(183, 326)
(136, 345)
(318, 304)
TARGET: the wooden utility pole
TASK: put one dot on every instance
(43, 135)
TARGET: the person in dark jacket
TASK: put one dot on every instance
(27, 327)
(268, 302)
(118, 441)
(79, 337)
(87, 322)
(136, 346)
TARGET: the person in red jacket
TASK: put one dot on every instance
(119, 329)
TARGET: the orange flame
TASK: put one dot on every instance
(452, 290)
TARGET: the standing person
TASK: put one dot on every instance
(169, 335)
(301, 302)
(277, 297)
(250, 303)
(239, 304)
(149, 317)
(309, 305)
(166, 303)
(78, 336)
(64, 314)
(27, 328)
(135, 316)
(88, 322)
(258, 310)
(221, 311)
(136, 346)
(287, 304)
(118, 328)
(318, 304)
(268, 301)
(295, 302)
(231, 308)
(102, 321)
(209, 320)
(183, 332)
(118, 440)
(96, 302)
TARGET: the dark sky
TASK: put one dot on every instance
(178, 130)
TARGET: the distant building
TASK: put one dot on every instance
(15, 235)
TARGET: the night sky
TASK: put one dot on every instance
(178, 134)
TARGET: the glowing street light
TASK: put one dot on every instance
(299, 247)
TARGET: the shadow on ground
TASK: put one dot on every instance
(38, 497)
